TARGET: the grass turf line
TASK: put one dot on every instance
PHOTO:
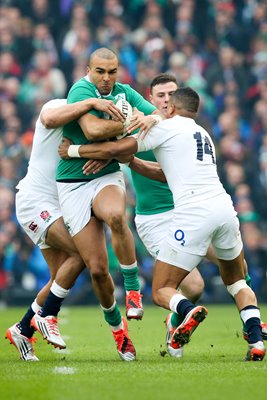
(212, 367)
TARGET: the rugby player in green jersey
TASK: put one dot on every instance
(102, 194)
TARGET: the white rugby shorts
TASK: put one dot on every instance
(76, 199)
(195, 226)
(36, 212)
(152, 230)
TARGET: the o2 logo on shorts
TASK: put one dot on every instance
(179, 236)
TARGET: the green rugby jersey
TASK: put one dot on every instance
(152, 197)
(71, 170)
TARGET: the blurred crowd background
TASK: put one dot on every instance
(217, 47)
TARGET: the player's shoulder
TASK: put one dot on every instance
(82, 84)
(168, 127)
(184, 123)
(123, 88)
(165, 123)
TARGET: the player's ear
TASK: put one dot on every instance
(171, 109)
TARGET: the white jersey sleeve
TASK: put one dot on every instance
(154, 138)
(44, 156)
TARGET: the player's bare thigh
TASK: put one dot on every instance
(58, 237)
(54, 259)
(109, 203)
(62, 257)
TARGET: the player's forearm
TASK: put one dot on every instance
(55, 117)
(104, 151)
(96, 151)
(99, 129)
(149, 169)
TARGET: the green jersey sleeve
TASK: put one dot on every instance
(138, 101)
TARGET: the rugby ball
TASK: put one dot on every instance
(125, 107)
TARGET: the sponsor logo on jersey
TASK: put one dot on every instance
(33, 227)
(45, 215)
(120, 96)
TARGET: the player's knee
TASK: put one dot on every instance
(235, 288)
(99, 275)
(199, 289)
(99, 269)
(156, 297)
(192, 286)
(193, 289)
(117, 223)
(77, 263)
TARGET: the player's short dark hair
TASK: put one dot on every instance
(103, 52)
(186, 98)
(161, 79)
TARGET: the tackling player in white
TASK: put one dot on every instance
(39, 214)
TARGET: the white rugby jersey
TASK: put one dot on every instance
(44, 159)
(186, 154)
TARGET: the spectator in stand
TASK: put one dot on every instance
(24, 42)
(113, 7)
(9, 66)
(152, 27)
(228, 72)
(43, 40)
(226, 30)
(113, 33)
(51, 80)
(154, 54)
(7, 41)
(44, 12)
(184, 24)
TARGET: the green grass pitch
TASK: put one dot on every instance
(211, 369)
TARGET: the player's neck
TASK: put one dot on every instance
(186, 114)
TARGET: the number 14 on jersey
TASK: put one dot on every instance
(203, 147)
